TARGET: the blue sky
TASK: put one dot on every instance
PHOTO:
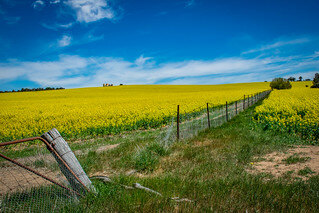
(82, 43)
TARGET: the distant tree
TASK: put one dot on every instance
(291, 79)
(308, 79)
(315, 82)
(300, 78)
(280, 83)
(33, 89)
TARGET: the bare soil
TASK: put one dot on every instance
(276, 164)
(14, 178)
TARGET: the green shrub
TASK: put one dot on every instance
(280, 83)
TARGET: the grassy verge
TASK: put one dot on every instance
(210, 170)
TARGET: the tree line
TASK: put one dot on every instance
(282, 83)
(299, 79)
(33, 89)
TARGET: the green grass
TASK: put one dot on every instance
(306, 171)
(295, 158)
(210, 169)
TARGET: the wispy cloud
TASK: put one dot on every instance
(9, 19)
(54, 1)
(76, 71)
(57, 72)
(140, 61)
(278, 44)
(57, 27)
(189, 3)
(38, 4)
(91, 10)
(64, 41)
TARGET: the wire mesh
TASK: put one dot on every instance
(33, 181)
(191, 123)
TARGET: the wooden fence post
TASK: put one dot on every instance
(236, 107)
(62, 148)
(226, 111)
(208, 116)
(177, 122)
(244, 103)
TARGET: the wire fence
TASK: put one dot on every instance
(33, 178)
(188, 125)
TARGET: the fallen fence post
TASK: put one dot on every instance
(62, 148)
(177, 122)
(226, 111)
(208, 116)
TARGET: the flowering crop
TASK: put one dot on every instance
(295, 110)
(107, 110)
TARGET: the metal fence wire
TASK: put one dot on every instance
(188, 125)
(33, 178)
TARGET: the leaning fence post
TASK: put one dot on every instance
(226, 111)
(208, 116)
(177, 122)
(62, 148)
(244, 103)
(236, 106)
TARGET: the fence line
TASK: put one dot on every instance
(188, 125)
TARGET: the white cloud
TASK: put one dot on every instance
(56, 27)
(47, 73)
(64, 41)
(141, 60)
(54, 1)
(278, 44)
(76, 71)
(91, 10)
(38, 4)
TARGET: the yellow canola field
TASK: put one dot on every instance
(107, 110)
(292, 110)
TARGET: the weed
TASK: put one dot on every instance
(306, 171)
(145, 159)
(295, 158)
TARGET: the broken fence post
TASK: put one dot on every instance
(62, 148)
